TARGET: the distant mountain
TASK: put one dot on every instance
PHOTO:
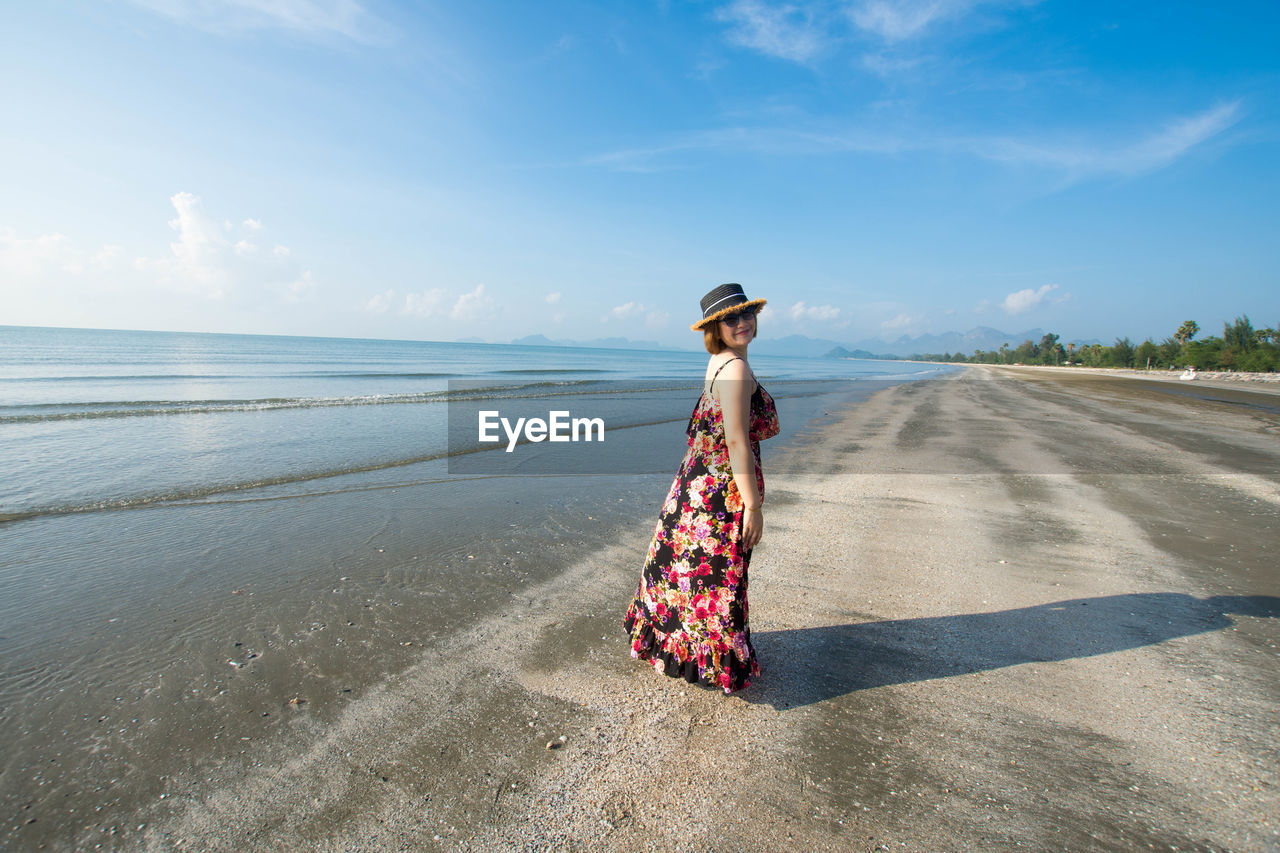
(981, 337)
(841, 352)
(795, 345)
(623, 343)
(537, 341)
(601, 343)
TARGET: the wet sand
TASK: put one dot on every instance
(1009, 609)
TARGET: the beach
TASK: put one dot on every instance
(214, 548)
(1003, 609)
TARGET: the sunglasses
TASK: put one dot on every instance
(738, 316)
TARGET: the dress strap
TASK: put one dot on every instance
(720, 368)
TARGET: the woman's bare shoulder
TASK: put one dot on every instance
(729, 367)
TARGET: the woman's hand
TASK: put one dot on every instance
(752, 527)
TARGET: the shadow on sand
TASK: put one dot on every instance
(841, 659)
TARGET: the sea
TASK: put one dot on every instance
(213, 543)
(93, 420)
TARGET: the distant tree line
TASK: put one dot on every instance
(1241, 347)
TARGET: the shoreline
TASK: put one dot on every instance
(942, 649)
(1262, 383)
(206, 639)
(992, 610)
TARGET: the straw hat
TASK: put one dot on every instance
(723, 300)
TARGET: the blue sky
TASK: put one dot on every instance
(586, 169)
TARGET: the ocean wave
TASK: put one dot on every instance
(298, 374)
(50, 412)
(543, 370)
(301, 374)
(205, 493)
(243, 490)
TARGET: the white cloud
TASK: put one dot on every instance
(633, 311)
(888, 66)
(381, 302)
(1078, 161)
(771, 141)
(211, 271)
(626, 311)
(475, 305)
(1177, 137)
(435, 303)
(656, 319)
(49, 281)
(553, 298)
(803, 30)
(301, 289)
(311, 18)
(28, 257)
(428, 303)
(1157, 150)
(208, 259)
(197, 261)
(107, 257)
(786, 31)
(902, 321)
(1022, 301)
(801, 312)
(904, 19)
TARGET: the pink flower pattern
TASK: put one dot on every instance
(689, 614)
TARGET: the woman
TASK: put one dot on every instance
(689, 615)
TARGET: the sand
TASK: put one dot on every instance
(1004, 610)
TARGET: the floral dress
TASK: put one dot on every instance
(689, 614)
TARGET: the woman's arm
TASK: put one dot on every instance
(734, 389)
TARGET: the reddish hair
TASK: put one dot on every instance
(711, 338)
